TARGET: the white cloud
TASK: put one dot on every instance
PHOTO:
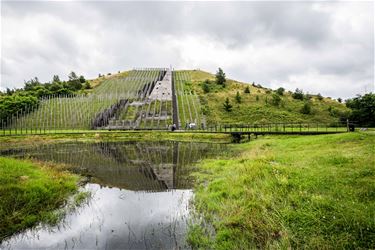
(325, 47)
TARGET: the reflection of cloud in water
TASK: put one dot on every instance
(116, 219)
(144, 209)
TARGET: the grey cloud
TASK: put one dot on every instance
(93, 37)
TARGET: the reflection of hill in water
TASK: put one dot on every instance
(149, 166)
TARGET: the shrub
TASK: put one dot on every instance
(87, 85)
(298, 94)
(306, 109)
(276, 99)
(319, 96)
(247, 90)
(206, 86)
(280, 91)
(308, 97)
(238, 97)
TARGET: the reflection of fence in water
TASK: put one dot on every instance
(147, 166)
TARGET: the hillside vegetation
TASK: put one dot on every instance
(259, 106)
(200, 100)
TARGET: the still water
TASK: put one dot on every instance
(140, 193)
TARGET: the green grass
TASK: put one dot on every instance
(19, 141)
(30, 192)
(256, 107)
(278, 192)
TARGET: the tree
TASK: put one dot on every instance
(72, 76)
(220, 77)
(298, 94)
(276, 99)
(227, 105)
(56, 79)
(306, 109)
(82, 79)
(363, 109)
(32, 83)
(247, 90)
(339, 100)
(238, 97)
(87, 85)
(319, 96)
(206, 86)
(280, 91)
(74, 82)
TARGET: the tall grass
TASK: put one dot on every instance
(301, 192)
(29, 193)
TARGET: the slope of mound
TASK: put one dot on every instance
(259, 106)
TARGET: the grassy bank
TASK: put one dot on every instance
(7, 142)
(30, 192)
(312, 191)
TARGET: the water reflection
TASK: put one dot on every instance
(140, 195)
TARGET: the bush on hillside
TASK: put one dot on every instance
(247, 90)
(238, 97)
(276, 99)
(206, 86)
(306, 108)
(298, 94)
(280, 91)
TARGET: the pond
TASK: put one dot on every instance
(140, 193)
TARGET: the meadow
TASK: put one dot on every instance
(288, 192)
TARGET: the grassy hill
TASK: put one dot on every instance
(257, 106)
(203, 106)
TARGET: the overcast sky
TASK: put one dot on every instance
(321, 47)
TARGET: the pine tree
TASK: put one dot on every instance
(220, 77)
(227, 105)
(247, 90)
(238, 97)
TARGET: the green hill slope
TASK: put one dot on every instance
(258, 105)
(196, 103)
